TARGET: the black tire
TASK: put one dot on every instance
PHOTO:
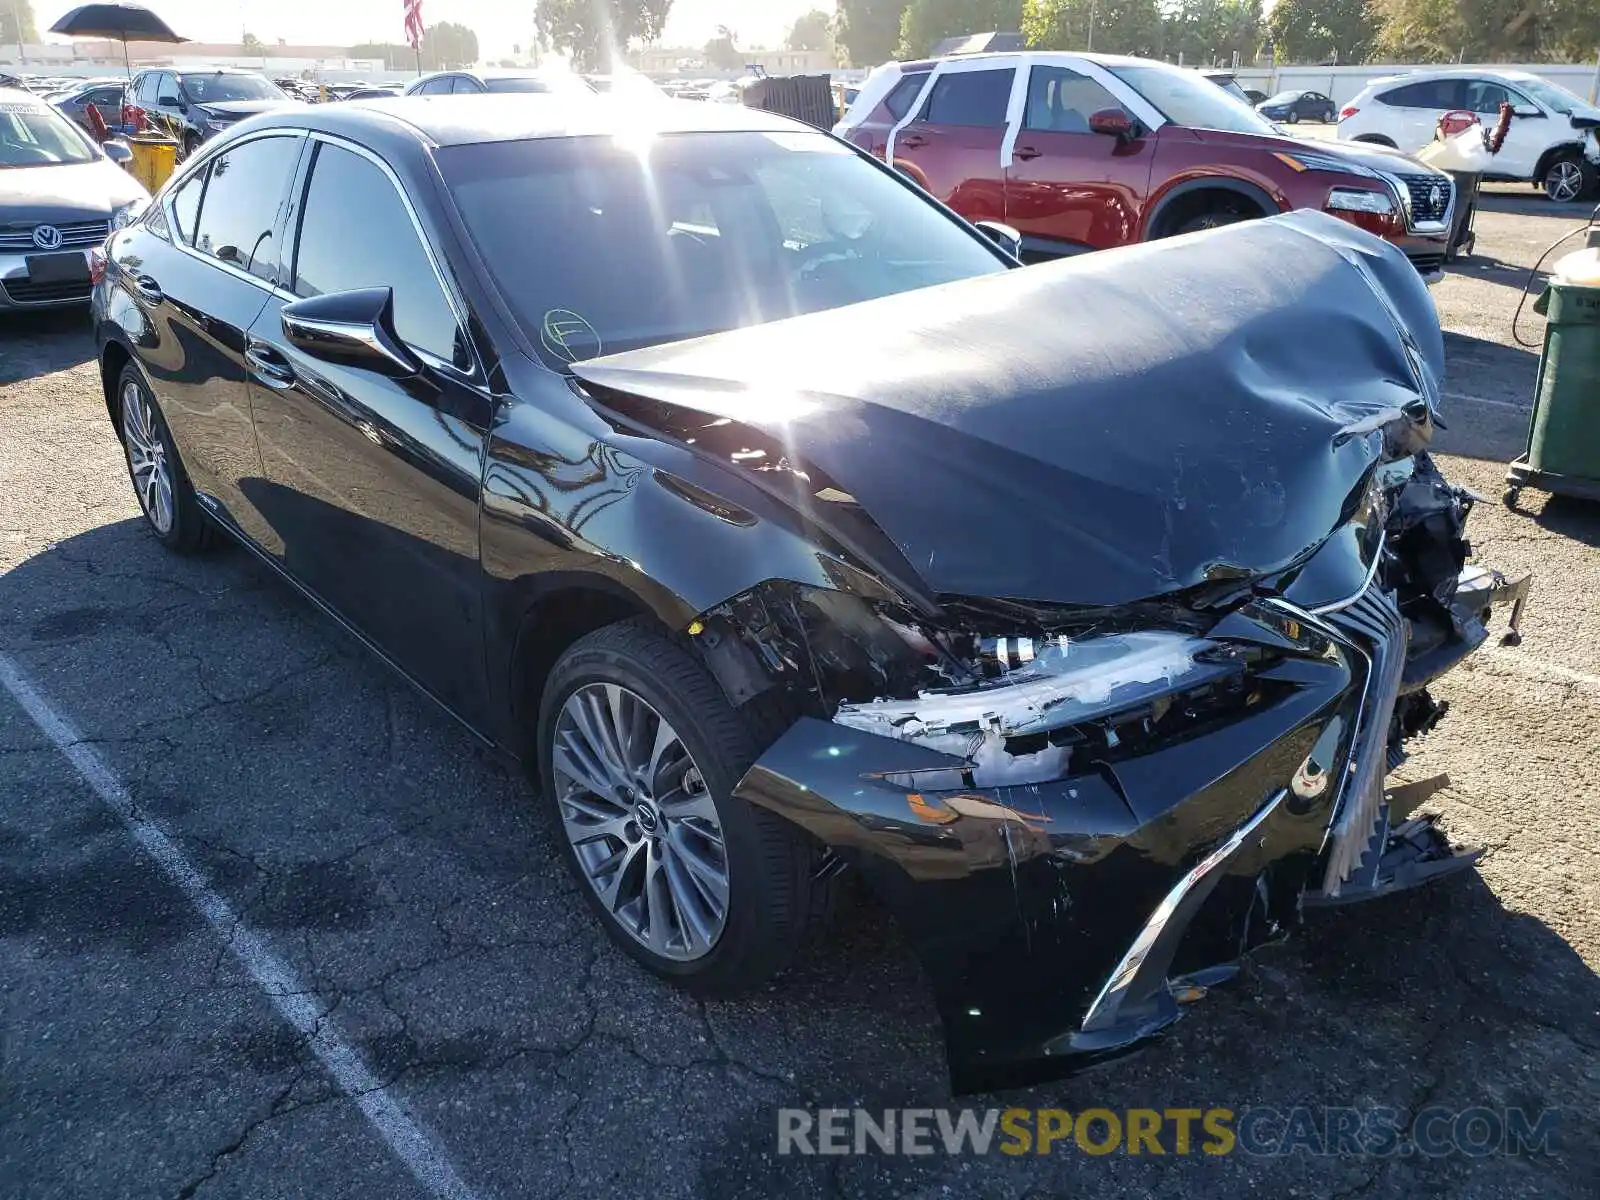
(1215, 219)
(1293, 118)
(775, 901)
(1569, 177)
(189, 531)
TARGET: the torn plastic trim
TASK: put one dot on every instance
(1066, 682)
(1134, 1001)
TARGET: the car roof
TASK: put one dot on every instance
(21, 96)
(1005, 56)
(466, 120)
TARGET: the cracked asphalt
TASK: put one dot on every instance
(405, 877)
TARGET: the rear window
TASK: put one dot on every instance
(973, 98)
(711, 230)
(1429, 93)
(904, 95)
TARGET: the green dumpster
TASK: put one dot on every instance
(1563, 455)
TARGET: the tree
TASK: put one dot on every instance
(9, 15)
(927, 22)
(869, 30)
(1204, 32)
(722, 51)
(1320, 30)
(810, 32)
(1488, 30)
(447, 46)
(597, 32)
(251, 44)
(1118, 26)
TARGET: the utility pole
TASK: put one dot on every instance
(22, 50)
(1090, 46)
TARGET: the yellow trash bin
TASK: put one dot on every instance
(153, 159)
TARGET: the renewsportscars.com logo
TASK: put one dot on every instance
(1258, 1130)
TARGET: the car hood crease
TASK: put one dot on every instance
(1117, 427)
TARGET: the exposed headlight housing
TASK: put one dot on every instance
(1064, 682)
(1361, 201)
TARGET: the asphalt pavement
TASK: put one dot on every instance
(272, 925)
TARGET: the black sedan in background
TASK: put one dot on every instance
(1293, 107)
(106, 98)
(780, 527)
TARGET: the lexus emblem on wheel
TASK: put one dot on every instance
(47, 237)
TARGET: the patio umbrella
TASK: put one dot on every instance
(119, 21)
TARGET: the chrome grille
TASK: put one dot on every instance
(1421, 189)
(21, 291)
(1372, 624)
(18, 238)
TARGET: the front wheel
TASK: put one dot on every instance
(639, 752)
(1568, 179)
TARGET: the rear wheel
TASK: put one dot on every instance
(1376, 139)
(1293, 118)
(159, 481)
(639, 752)
(1568, 178)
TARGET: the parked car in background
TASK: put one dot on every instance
(198, 105)
(106, 98)
(1551, 143)
(372, 93)
(59, 198)
(1094, 676)
(493, 81)
(1293, 107)
(1084, 152)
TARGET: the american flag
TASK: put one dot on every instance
(414, 23)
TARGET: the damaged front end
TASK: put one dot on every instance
(1083, 817)
(1132, 614)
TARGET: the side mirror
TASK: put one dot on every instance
(352, 329)
(1007, 238)
(1112, 122)
(118, 152)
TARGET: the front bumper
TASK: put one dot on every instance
(1063, 922)
(19, 291)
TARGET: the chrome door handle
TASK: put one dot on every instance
(1025, 153)
(267, 365)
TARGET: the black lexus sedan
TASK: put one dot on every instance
(782, 526)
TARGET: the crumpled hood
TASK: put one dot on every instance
(61, 194)
(234, 110)
(1115, 427)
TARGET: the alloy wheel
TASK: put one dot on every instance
(642, 823)
(147, 458)
(1564, 181)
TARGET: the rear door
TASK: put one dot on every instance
(199, 284)
(1066, 186)
(373, 482)
(953, 145)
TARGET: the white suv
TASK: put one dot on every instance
(1551, 143)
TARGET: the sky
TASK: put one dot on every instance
(499, 24)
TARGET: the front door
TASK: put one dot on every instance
(1530, 133)
(953, 145)
(1068, 188)
(372, 482)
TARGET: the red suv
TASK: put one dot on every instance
(1084, 151)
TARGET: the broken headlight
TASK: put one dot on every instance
(1054, 685)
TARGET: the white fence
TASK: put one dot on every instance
(1341, 84)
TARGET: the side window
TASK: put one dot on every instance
(904, 94)
(355, 232)
(186, 205)
(438, 87)
(145, 89)
(469, 87)
(1486, 96)
(166, 86)
(1428, 93)
(1062, 101)
(240, 207)
(974, 98)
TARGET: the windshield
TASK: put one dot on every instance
(217, 86)
(710, 231)
(1552, 97)
(39, 137)
(1185, 98)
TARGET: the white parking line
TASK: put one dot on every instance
(1511, 404)
(412, 1144)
